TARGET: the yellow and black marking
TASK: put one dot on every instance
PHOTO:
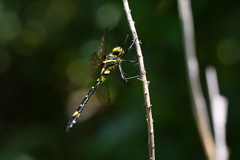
(100, 69)
(77, 113)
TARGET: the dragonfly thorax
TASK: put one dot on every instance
(118, 51)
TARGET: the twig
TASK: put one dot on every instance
(219, 113)
(145, 83)
(198, 101)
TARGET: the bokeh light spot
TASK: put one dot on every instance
(88, 48)
(62, 12)
(77, 71)
(34, 32)
(108, 15)
(9, 25)
(228, 51)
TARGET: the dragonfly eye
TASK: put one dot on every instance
(118, 51)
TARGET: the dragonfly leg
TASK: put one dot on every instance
(129, 48)
(123, 74)
(131, 61)
(125, 41)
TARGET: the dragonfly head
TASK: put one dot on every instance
(118, 51)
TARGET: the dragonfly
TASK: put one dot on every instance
(101, 66)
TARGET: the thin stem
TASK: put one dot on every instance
(145, 83)
(198, 101)
(219, 107)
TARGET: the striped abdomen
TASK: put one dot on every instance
(77, 113)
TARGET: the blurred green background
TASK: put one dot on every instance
(45, 51)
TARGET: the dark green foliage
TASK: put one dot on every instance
(45, 52)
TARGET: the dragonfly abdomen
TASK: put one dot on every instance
(77, 113)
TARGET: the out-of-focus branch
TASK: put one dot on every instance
(198, 101)
(145, 83)
(219, 114)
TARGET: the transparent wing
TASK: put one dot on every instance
(103, 94)
(102, 50)
(95, 66)
(98, 57)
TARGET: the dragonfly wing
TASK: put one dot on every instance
(103, 94)
(95, 66)
(98, 57)
(102, 50)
